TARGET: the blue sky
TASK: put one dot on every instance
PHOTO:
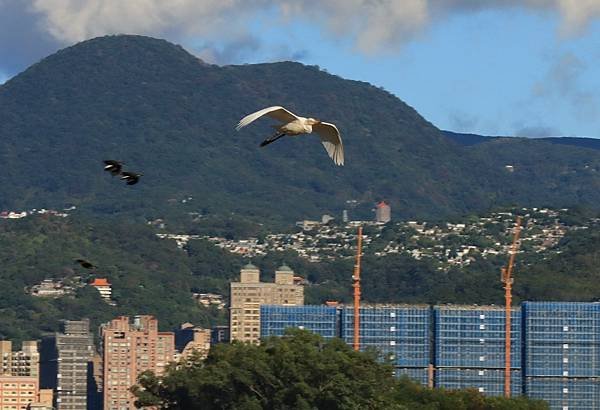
(528, 70)
(496, 72)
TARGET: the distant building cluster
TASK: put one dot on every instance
(459, 244)
(67, 372)
(51, 288)
(23, 214)
(209, 300)
(55, 288)
(446, 244)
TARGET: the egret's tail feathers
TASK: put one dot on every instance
(271, 139)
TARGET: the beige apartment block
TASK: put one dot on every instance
(250, 293)
(24, 362)
(18, 392)
(129, 349)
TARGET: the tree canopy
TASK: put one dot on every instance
(301, 371)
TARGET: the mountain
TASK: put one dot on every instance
(467, 139)
(171, 116)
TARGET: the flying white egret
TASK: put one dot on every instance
(294, 125)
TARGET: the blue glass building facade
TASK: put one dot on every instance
(567, 394)
(322, 320)
(473, 337)
(400, 332)
(555, 353)
(418, 374)
(562, 353)
(469, 348)
(487, 381)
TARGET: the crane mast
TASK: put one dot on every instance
(508, 280)
(356, 286)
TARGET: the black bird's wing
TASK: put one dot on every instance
(112, 166)
(131, 177)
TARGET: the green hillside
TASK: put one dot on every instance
(149, 275)
(152, 276)
(171, 116)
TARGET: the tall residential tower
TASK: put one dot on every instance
(75, 350)
(250, 293)
(130, 348)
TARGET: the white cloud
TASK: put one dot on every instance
(75, 20)
(372, 25)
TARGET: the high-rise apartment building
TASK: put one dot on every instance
(17, 392)
(383, 212)
(250, 293)
(75, 349)
(130, 348)
(24, 362)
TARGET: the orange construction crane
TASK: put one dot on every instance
(356, 286)
(508, 280)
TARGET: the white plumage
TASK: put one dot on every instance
(293, 125)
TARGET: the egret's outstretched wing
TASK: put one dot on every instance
(331, 140)
(277, 112)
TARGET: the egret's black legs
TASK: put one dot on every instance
(271, 139)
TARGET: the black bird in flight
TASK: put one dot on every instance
(131, 177)
(112, 166)
(85, 263)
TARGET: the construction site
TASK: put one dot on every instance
(544, 350)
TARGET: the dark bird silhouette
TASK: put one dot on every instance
(112, 166)
(131, 177)
(85, 263)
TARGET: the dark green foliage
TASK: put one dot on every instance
(574, 274)
(300, 371)
(149, 275)
(168, 115)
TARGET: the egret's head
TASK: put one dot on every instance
(313, 121)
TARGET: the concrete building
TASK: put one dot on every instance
(75, 350)
(190, 340)
(383, 212)
(17, 392)
(24, 362)
(23, 392)
(130, 348)
(45, 400)
(250, 293)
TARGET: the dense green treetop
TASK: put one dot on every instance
(301, 371)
